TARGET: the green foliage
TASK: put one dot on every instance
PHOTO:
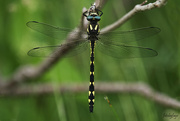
(161, 72)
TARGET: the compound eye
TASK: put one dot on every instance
(97, 17)
(89, 17)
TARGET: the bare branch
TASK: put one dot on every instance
(132, 88)
(130, 14)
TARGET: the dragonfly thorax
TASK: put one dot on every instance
(93, 29)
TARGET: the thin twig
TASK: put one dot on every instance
(130, 14)
(100, 3)
(132, 88)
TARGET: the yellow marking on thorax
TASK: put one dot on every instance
(91, 73)
(96, 27)
(90, 27)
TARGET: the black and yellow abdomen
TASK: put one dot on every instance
(91, 86)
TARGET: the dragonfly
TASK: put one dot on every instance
(113, 43)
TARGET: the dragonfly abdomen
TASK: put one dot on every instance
(91, 86)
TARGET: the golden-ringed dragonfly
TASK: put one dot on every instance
(113, 43)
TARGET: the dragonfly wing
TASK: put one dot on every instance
(77, 49)
(124, 37)
(48, 30)
(51, 51)
(125, 51)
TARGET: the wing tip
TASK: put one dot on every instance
(29, 52)
(157, 29)
(29, 22)
(155, 53)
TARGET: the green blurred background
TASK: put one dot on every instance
(161, 72)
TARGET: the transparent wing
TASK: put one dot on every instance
(124, 37)
(125, 51)
(48, 30)
(50, 51)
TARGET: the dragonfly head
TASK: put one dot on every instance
(93, 17)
